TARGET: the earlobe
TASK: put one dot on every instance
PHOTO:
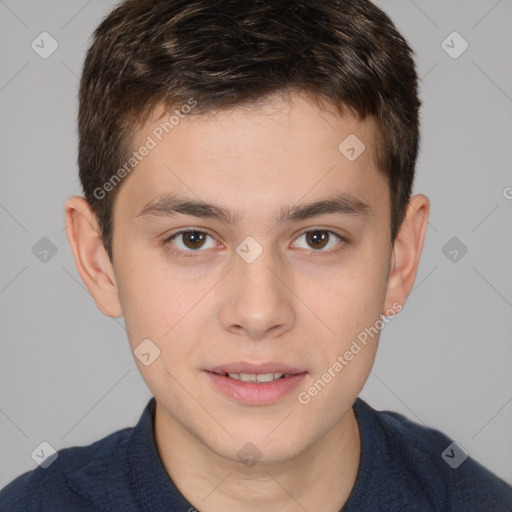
(407, 251)
(91, 258)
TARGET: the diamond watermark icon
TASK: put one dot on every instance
(454, 455)
(249, 454)
(454, 249)
(146, 352)
(454, 45)
(44, 250)
(351, 147)
(44, 455)
(44, 45)
(249, 250)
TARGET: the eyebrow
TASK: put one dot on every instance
(168, 205)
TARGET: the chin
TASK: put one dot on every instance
(259, 447)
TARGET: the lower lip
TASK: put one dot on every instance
(249, 393)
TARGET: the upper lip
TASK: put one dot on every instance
(242, 367)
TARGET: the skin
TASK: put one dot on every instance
(296, 303)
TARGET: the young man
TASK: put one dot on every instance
(247, 170)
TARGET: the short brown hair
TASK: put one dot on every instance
(228, 52)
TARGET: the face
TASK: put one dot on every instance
(271, 286)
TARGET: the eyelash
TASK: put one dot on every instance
(196, 253)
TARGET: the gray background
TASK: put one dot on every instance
(67, 375)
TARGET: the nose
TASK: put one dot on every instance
(257, 303)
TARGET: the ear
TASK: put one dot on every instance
(406, 253)
(91, 258)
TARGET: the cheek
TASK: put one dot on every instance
(352, 295)
(152, 298)
(155, 307)
(350, 304)
(160, 304)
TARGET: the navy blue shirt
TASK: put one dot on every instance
(404, 467)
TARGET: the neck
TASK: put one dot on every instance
(320, 478)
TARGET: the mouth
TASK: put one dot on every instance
(251, 384)
(257, 378)
(256, 373)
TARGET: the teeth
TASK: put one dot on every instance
(256, 377)
(267, 377)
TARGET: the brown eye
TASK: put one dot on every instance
(191, 241)
(317, 239)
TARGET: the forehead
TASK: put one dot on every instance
(279, 150)
(277, 123)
